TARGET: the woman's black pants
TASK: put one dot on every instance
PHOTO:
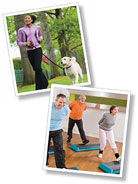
(35, 58)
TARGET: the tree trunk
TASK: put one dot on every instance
(29, 77)
(62, 39)
(49, 45)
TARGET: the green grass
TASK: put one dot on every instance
(58, 80)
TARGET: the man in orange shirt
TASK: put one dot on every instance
(77, 108)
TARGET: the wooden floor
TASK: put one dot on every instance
(87, 160)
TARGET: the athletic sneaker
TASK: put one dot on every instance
(100, 155)
(64, 168)
(118, 159)
(86, 141)
(68, 140)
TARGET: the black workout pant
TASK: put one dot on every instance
(59, 153)
(79, 124)
(35, 58)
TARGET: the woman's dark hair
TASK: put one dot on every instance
(33, 17)
(112, 108)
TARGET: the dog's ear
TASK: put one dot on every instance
(73, 59)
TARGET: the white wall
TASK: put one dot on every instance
(91, 118)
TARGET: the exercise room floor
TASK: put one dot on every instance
(86, 160)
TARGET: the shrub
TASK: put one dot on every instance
(17, 63)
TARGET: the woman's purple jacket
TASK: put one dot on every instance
(32, 34)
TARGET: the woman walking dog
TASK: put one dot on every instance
(30, 36)
(106, 132)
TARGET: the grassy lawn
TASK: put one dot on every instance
(58, 80)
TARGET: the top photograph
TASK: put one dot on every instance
(46, 47)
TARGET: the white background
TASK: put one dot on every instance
(111, 37)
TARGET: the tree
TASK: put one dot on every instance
(65, 33)
(29, 77)
(49, 45)
(62, 39)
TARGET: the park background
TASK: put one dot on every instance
(111, 35)
(62, 36)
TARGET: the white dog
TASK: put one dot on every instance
(72, 69)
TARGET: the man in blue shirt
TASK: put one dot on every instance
(59, 111)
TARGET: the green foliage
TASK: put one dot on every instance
(11, 29)
(44, 66)
(17, 63)
(68, 23)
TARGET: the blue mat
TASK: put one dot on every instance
(85, 147)
(51, 150)
(111, 167)
(74, 168)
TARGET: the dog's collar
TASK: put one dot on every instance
(68, 67)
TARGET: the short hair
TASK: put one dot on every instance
(60, 95)
(33, 17)
(82, 96)
(112, 108)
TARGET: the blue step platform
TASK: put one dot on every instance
(51, 150)
(74, 168)
(85, 147)
(111, 167)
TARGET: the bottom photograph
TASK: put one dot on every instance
(86, 130)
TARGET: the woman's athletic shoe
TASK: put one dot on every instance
(118, 159)
(100, 155)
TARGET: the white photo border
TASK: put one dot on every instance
(124, 137)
